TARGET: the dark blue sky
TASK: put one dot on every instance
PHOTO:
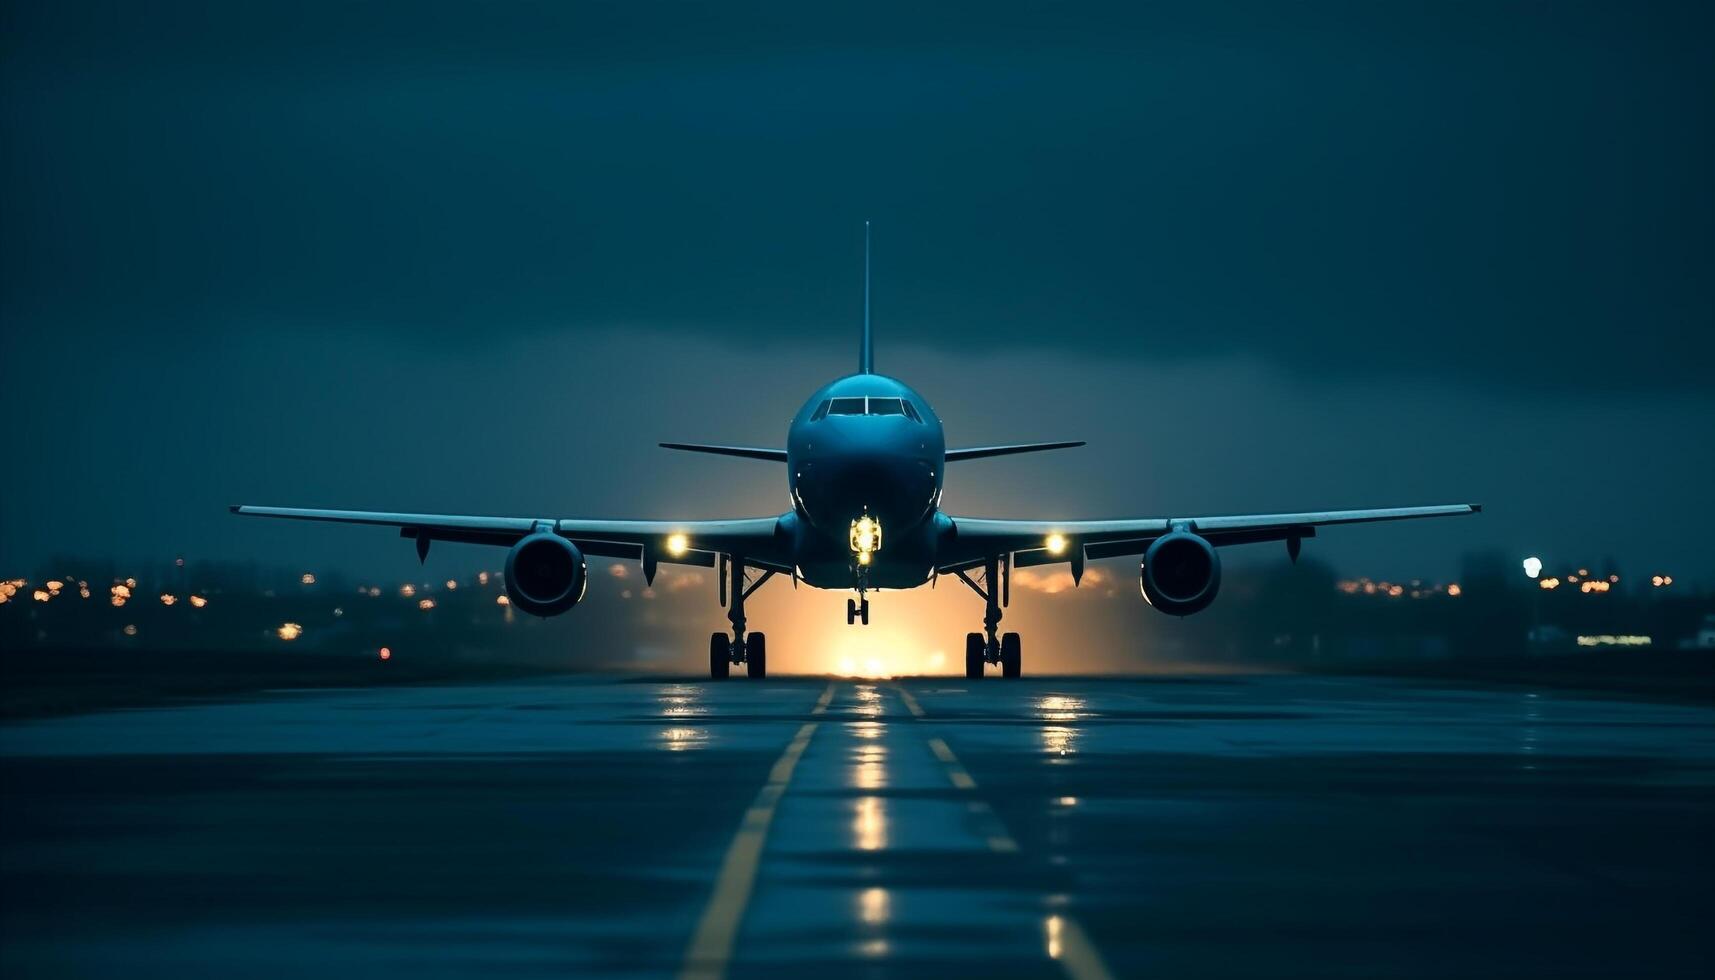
(482, 257)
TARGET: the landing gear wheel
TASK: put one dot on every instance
(863, 611)
(974, 656)
(857, 612)
(1011, 655)
(720, 656)
(756, 655)
(851, 611)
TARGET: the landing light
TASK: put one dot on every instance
(865, 537)
(678, 544)
(1056, 544)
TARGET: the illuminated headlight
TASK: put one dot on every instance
(865, 538)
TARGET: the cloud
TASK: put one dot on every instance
(1059, 580)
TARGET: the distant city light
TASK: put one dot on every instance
(386, 654)
(167, 598)
(1454, 589)
(179, 562)
(407, 590)
(1533, 566)
(42, 595)
(307, 579)
(130, 583)
(1607, 640)
(131, 629)
(118, 601)
(374, 591)
(198, 601)
(1595, 585)
(121, 591)
(54, 586)
(678, 544)
(339, 610)
(1549, 583)
(502, 600)
(425, 603)
(452, 584)
(482, 578)
(289, 631)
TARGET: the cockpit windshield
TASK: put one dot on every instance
(866, 406)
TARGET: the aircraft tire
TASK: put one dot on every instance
(720, 656)
(974, 656)
(1011, 655)
(756, 656)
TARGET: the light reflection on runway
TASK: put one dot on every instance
(577, 827)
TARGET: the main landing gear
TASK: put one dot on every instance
(857, 610)
(982, 649)
(751, 649)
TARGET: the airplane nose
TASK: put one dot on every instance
(897, 491)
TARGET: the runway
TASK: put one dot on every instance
(1083, 828)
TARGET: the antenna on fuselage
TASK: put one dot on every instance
(866, 353)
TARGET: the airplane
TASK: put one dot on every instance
(865, 458)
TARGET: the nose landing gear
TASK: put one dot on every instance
(982, 649)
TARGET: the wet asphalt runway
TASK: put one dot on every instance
(1259, 826)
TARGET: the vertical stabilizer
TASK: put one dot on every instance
(866, 353)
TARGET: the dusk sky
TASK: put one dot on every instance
(480, 259)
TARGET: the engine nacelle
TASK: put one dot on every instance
(1180, 574)
(545, 574)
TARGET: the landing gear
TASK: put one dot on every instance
(752, 650)
(720, 656)
(857, 610)
(987, 647)
(1011, 656)
(756, 656)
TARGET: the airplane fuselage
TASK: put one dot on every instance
(866, 444)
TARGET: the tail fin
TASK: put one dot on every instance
(866, 353)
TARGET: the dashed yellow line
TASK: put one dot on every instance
(1068, 943)
(1072, 949)
(911, 704)
(711, 946)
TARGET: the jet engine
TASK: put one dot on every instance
(1180, 573)
(545, 574)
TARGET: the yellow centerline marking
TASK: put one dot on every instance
(710, 950)
(1068, 943)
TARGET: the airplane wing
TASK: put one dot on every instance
(744, 452)
(984, 452)
(753, 538)
(977, 539)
